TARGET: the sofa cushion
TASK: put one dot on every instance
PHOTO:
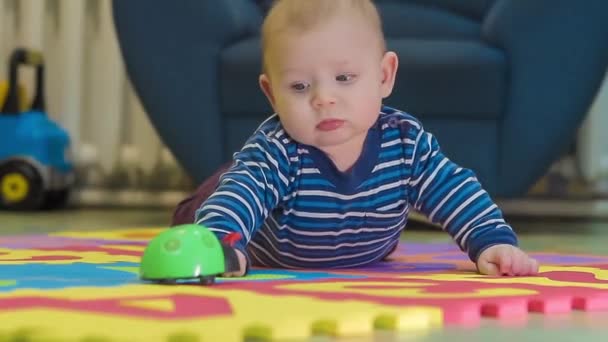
(264, 5)
(239, 70)
(405, 20)
(454, 79)
(458, 19)
(436, 78)
(473, 9)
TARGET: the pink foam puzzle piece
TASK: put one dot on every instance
(557, 304)
(593, 302)
(509, 309)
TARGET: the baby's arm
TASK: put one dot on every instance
(242, 259)
(250, 189)
(453, 197)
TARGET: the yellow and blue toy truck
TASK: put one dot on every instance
(36, 171)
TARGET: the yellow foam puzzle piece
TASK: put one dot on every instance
(134, 234)
(267, 317)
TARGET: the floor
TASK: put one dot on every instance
(572, 236)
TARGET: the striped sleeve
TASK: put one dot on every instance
(452, 196)
(252, 187)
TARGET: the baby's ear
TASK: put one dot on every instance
(389, 65)
(266, 87)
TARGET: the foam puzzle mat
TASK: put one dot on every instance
(84, 286)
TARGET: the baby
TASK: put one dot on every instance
(329, 180)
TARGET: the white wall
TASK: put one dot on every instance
(592, 149)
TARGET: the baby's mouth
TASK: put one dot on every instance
(330, 125)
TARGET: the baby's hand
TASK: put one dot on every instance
(242, 266)
(506, 260)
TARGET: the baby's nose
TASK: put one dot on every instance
(323, 98)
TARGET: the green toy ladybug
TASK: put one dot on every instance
(188, 252)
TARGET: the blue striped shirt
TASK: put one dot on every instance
(294, 209)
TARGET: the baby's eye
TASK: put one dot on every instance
(300, 86)
(345, 77)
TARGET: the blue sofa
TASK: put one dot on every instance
(503, 84)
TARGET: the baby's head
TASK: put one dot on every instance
(292, 17)
(326, 69)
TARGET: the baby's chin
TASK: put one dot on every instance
(329, 140)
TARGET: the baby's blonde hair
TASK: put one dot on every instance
(303, 15)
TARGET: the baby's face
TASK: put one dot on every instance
(327, 84)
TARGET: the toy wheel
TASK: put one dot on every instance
(21, 186)
(56, 199)
(207, 280)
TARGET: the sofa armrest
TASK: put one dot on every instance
(171, 52)
(557, 52)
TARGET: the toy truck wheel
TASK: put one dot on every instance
(21, 186)
(56, 199)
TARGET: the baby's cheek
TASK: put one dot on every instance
(297, 129)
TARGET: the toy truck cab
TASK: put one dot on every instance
(35, 167)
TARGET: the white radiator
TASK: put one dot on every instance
(88, 92)
(592, 150)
